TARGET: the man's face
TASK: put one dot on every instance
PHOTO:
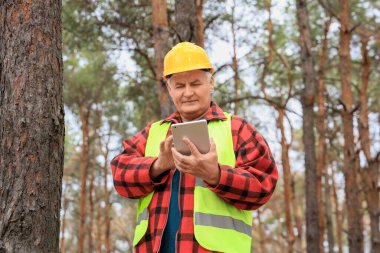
(191, 92)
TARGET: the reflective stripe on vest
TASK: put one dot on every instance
(218, 226)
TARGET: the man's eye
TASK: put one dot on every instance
(179, 86)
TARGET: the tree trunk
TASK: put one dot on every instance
(371, 173)
(287, 182)
(186, 25)
(31, 125)
(298, 219)
(84, 117)
(235, 66)
(309, 77)
(321, 126)
(63, 224)
(261, 233)
(278, 240)
(161, 35)
(351, 162)
(92, 211)
(98, 219)
(200, 35)
(328, 212)
(104, 150)
(338, 214)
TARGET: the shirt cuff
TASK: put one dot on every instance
(160, 179)
(222, 180)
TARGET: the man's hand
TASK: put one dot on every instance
(165, 160)
(204, 166)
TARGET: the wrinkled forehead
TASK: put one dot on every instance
(190, 76)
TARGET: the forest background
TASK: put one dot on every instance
(304, 73)
(113, 52)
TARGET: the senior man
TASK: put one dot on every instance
(200, 202)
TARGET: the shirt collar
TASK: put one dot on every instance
(213, 113)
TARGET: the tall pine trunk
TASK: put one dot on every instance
(91, 215)
(351, 162)
(338, 213)
(287, 181)
(308, 97)
(186, 25)
(106, 197)
(200, 35)
(161, 47)
(84, 117)
(63, 223)
(235, 66)
(31, 125)
(371, 173)
(261, 231)
(321, 126)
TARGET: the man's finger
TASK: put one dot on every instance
(179, 157)
(162, 146)
(193, 149)
(168, 142)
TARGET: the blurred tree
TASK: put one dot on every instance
(186, 25)
(31, 125)
(370, 173)
(324, 206)
(89, 82)
(351, 160)
(279, 103)
(161, 47)
(307, 100)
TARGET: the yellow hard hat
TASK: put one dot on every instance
(186, 56)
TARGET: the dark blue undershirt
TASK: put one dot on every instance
(168, 241)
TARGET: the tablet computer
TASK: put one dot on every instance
(196, 131)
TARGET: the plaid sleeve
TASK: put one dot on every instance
(252, 182)
(130, 169)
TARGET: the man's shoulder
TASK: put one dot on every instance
(239, 121)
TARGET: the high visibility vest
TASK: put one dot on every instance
(218, 226)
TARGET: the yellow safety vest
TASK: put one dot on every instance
(218, 226)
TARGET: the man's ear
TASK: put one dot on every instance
(168, 87)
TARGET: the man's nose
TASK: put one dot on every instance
(188, 91)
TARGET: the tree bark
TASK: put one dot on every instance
(321, 126)
(99, 224)
(261, 233)
(63, 224)
(90, 226)
(371, 173)
(338, 213)
(104, 150)
(328, 212)
(287, 182)
(200, 35)
(31, 125)
(186, 25)
(351, 162)
(161, 35)
(309, 78)
(235, 66)
(298, 219)
(84, 117)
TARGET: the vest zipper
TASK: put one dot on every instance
(166, 221)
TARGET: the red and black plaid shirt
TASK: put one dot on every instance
(247, 186)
